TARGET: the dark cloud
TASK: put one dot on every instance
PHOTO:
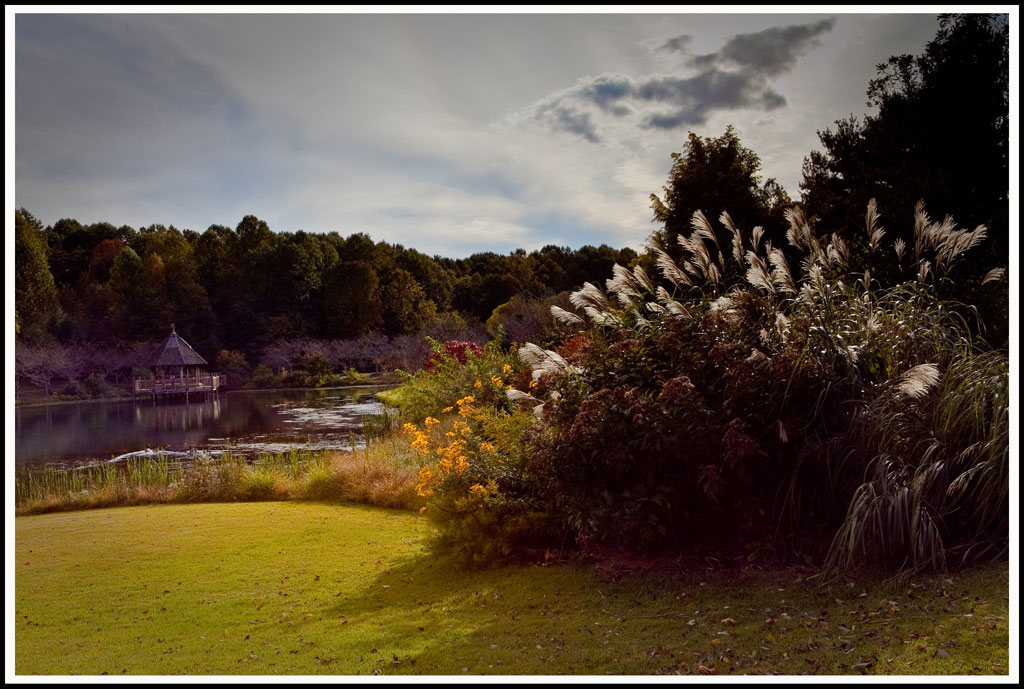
(734, 77)
(606, 90)
(770, 52)
(679, 44)
(575, 122)
(696, 97)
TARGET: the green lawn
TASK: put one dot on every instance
(313, 588)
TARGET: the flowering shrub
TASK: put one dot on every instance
(461, 424)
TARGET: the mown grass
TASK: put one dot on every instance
(297, 588)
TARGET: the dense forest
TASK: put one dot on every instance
(90, 298)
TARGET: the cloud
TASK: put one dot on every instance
(735, 77)
(770, 52)
(679, 44)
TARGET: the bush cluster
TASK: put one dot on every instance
(748, 399)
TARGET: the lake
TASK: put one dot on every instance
(244, 422)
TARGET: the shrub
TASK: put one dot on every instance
(316, 368)
(473, 477)
(456, 369)
(718, 412)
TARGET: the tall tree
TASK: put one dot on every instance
(941, 135)
(35, 295)
(713, 175)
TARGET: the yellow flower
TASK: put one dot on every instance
(421, 443)
(533, 384)
(477, 384)
(468, 399)
(445, 465)
(497, 381)
(446, 410)
(478, 491)
(461, 464)
(425, 475)
(487, 447)
(506, 369)
(430, 421)
(409, 428)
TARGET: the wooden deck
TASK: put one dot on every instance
(186, 385)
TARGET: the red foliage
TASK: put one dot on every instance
(459, 351)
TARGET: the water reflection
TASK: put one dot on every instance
(244, 422)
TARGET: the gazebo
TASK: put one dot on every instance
(176, 369)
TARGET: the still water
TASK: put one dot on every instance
(244, 422)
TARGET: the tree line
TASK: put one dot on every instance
(247, 287)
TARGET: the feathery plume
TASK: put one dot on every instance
(520, 396)
(669, 269)
(922, 271)
(702, 228)
(641, 280)
(837, 253)
(621, 285)
(781, 276)
(797, 223)
(899, 246)
(919, 380)
(756, 234)
(994, 275)
(758, 275)
(589, 295)
(958, 242)
(781, 324)
(565, 317)
(737, 238)
(678, 310)
(921, 221)
(875, 231)
(700, 264)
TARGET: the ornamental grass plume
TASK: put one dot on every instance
(919, 380)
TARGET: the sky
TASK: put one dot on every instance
(448, 133)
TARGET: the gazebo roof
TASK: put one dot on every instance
(175, 352)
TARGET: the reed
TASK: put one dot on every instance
(378, 476)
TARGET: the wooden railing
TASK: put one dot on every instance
(193, 383)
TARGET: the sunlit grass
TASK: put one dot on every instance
(381, 474)
(297, 588)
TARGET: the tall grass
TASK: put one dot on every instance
(937, 486)
(382, 475)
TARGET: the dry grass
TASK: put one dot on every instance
(382, 475)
